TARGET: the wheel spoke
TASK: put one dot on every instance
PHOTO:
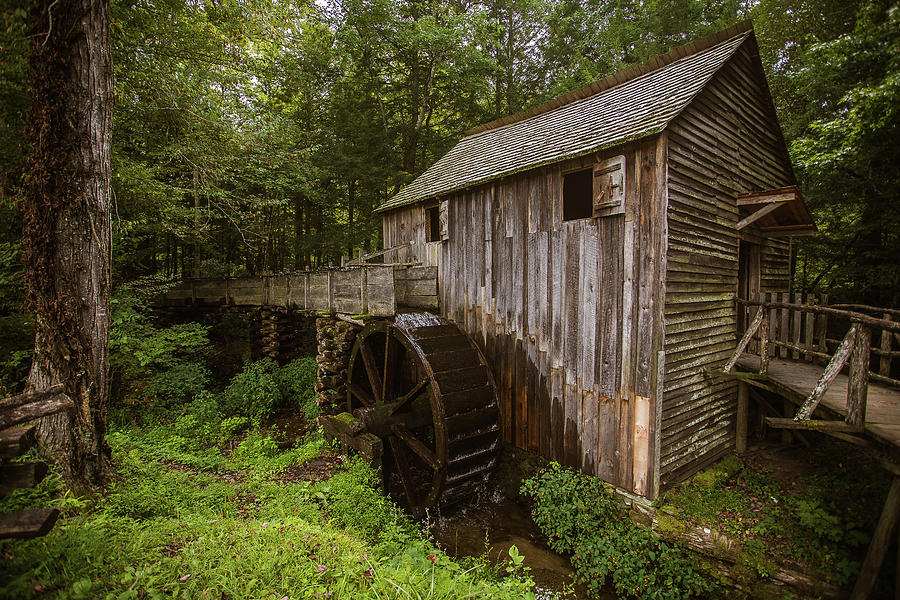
(371, 370)
(417, 446)
(361, 394)
(402, 400)
(409, 486)
(387, 381)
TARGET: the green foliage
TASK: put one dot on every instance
(159, 368)
(581, 517)
(167, 530)
(297, 383)
(355, 502)
(254, 392)
(776, 523)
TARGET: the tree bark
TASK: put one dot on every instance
(66, 232)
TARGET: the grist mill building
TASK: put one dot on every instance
(593, 247)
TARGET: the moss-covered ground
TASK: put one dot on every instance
(811, 510)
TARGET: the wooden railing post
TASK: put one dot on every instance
(764, 342)
(810, 331)
(884, 367)
(858, 386)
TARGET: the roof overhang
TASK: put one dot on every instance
(777, 213)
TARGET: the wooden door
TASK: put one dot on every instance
(748, 279)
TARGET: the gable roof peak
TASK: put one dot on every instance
(635, 103)
(619, 77)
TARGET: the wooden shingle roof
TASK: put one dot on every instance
(627, 105)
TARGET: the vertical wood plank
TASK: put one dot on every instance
(589, 445)
(557, 414)
(544, 402)
(641, 460)
(796, 321)
(573, 425)
(588, 300)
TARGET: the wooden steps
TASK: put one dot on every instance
(15, 440)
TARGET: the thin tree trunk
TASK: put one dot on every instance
(66, 233)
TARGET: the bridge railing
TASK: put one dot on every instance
(372, 289)
(799, 330)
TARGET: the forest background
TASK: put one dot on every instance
(255, 136)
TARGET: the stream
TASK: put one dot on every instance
(493, 524)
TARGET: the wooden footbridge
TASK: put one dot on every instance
(786, 349)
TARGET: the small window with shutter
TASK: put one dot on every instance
(577, 194)
(609, 187)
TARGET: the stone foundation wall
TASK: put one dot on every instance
(335, 342)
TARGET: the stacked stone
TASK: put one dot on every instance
(335, 340)
(270, 331)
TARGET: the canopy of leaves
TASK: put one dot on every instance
(258, 136)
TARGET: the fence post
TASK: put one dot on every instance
(884, 368)
(857, 387)
(764, 342)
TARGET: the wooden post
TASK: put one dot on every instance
(884, 368)
(795, 326)
(773, 325)
(823, 327)
(784, 326)
(787, 409)
(810, 329)
(858, 386)
(764, 343)
(879, 544)
(743, 415)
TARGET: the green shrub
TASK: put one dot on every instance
(150, 365)
(254, 392)
(255, 447)
(297, 381)
(174, 387)
(582, 518)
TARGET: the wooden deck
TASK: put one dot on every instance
(795, 380)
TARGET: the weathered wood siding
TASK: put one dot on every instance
(568, 313)
(725, 143)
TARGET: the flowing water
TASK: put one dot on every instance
(494, 524)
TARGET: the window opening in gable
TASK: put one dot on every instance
(578, 195)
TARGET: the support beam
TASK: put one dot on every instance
(784, 194)
(749, 219)
(743, 415)
(884, 531)
(811, 425)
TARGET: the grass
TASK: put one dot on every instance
(186, 520)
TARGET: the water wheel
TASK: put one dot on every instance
(421, 385)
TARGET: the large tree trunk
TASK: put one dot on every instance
(66, 236)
